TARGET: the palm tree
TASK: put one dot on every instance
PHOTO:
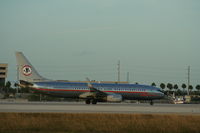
(190, 87)
(153, 84)
(169, 86)
(183, 86)
(198, 87)
(162, 85)
(176, 87)
(7, 86)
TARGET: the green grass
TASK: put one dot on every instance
(98, 123)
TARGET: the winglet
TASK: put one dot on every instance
(89, 84)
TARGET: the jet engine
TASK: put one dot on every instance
(113, 98)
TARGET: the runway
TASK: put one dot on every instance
(81, 107)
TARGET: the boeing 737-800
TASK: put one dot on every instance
(91, 92)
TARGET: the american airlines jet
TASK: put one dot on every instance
(90, 92)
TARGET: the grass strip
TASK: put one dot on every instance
(98, 123)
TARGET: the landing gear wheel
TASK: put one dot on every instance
(151, 103)
(87, 101)
(94, 101)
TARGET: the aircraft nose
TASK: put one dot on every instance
(162, 94)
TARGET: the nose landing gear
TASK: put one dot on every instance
(151, 102)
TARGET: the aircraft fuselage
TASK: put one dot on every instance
(75, 89)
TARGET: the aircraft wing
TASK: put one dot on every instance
(94, 93)
(100, 95)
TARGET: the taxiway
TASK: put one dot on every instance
(80, 107)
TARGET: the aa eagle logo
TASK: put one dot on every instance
(27, 70)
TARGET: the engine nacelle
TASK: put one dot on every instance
(114, 98)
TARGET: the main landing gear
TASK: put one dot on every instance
(151, 103)
(88, 101)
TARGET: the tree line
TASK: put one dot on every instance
(169, 88)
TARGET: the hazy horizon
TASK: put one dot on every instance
(155, 40)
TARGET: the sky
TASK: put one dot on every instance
(155, 40)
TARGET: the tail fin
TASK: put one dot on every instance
(26, 71)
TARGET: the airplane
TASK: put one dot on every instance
(89, 91)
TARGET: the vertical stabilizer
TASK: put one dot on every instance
(26, 71)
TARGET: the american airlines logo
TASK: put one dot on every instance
(27, 70)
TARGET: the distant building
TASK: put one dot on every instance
(3, 74)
